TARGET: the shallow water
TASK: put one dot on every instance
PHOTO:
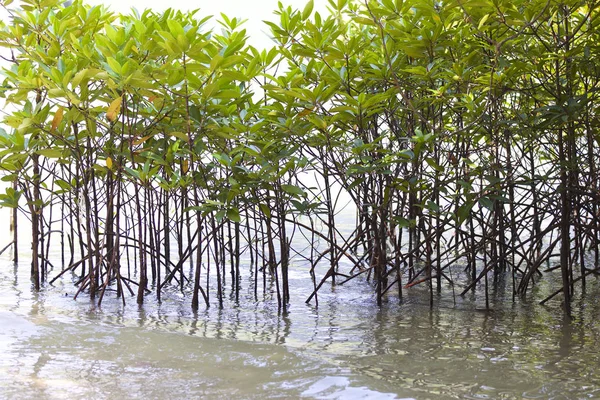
(54, 347)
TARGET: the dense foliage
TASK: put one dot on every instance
(465, 133)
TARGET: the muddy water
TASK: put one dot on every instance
(54, 347)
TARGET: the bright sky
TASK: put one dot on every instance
(254, 11)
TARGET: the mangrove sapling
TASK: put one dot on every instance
(199, 252)
(152, 236)
(216, 253)
(163, 195)
(142, 260)
(14, 225)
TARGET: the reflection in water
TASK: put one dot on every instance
(55, 347)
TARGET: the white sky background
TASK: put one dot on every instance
(254, 11)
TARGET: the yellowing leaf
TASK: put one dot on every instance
(58, 116)
(305, 112)
(140, 140)
(112, 112)
(109, 162)
(185, 166)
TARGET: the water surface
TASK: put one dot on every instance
(55, 347)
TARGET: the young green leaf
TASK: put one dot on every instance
(308, 8)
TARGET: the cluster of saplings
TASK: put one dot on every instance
(157, 152)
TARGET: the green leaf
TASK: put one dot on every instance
(308, 8)
(365, 21)
(234, 215)
(175, 28)
(50, 153)
(216, 62)
(180, 135)
(432, 206)
(355, 183)
(407, 154)
(9, 178)
(482, 21)
(223, 158)
(299, 205)
(487, 203)
(63, 184)
(10, 198)
(210, 90)
(195, 113)
(402, 222)
(293, 190)
(265, 209)
(434, 165)
(318, 122)
(114, 65)
(463, 212)
(220, 215)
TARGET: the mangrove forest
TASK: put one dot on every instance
(147, 150)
